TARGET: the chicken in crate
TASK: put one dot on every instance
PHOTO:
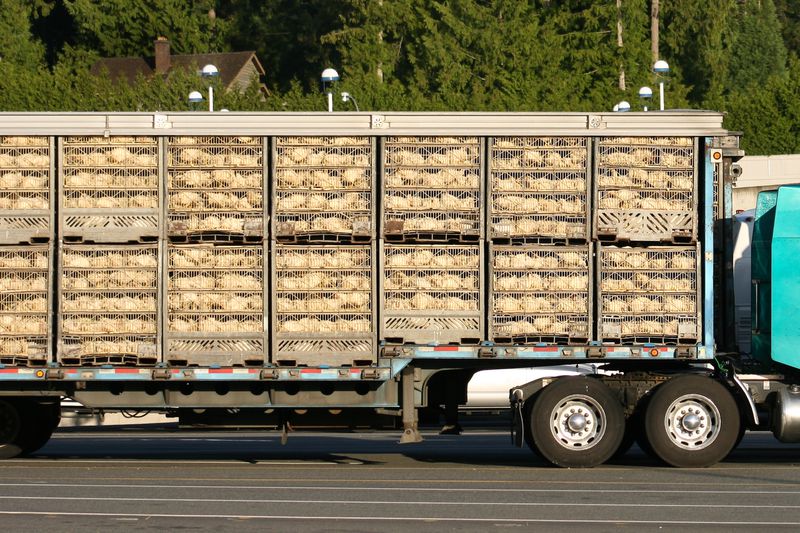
(323, 189)
(26, 189)
(540, 294)
(432, 188)
(649, 294)
(109, 305)
(645, 190)
(110, 189)
(25, 317)
(432, 294)
(538, 190)
(215, 304)
(215, 189)
(323, 310)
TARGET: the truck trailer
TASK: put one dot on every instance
(283, 270)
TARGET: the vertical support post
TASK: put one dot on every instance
(708, 247)
(410, 421)
(211, 99)
(330, 102)
(661, 93)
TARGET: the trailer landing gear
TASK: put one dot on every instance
(411, 434)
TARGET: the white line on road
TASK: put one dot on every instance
(372, 518)
(389, 502)
(396, 489)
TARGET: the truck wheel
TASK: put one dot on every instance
(692, 421)
(44, 419)
(11, 430)
(577, 422)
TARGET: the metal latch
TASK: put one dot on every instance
(270, 373)
(161, 373)
(369, 373)
(595, 352)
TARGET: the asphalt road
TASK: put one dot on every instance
(165, 480)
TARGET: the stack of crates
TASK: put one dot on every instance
(108, 268)
(26, 240)
(215, 253)
(26, 237)
(431, 251)
(323, 264)
(648, 255)
(540, 287)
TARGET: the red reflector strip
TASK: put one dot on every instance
(446, 348)
(311, 371)
(175, 370)
(545, 348)
(9, 370)
(220, 371)
(355, 370)
(126, 370)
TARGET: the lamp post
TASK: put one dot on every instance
(347, 97)
(645, 93)
(209, 72)
(329, 76)
(661, 68)
(622, 107)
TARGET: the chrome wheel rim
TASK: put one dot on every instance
(578, 422)
(692, 422)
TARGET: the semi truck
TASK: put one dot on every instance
(288, 270)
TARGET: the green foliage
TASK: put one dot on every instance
(494, 55)
(128, 27)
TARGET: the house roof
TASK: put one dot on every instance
(230, 64)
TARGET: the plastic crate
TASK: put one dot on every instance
(323, 189)
(540, 294)
(323, 310)
(109, 304)
(646, 189)
(26, 189)
(214, 305)
(649, 294)
(432, 189)
(25, 317)
(538, 189)
(215, 189)
(432, 294)
(110, 189)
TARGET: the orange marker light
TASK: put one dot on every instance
(716, 155)
(40, 373)
(654, 352)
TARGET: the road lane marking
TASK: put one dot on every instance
(407, 519)
(397, 489)
(390, 502)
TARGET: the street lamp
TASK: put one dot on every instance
(347, 97)
(622, 106)
(645, 93)
(661, 68)
(329, 76)
(208, 71)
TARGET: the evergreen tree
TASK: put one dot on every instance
(116, 28)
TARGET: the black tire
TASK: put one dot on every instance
(632, 430)
(702, 440)
(44, 419)
(526, 432)
(598, 420)
(11, 430)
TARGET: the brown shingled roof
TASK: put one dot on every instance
(127, 69)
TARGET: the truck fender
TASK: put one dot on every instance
(518, 398)
(745, 400)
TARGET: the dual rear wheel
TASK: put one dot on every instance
(688, 421)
